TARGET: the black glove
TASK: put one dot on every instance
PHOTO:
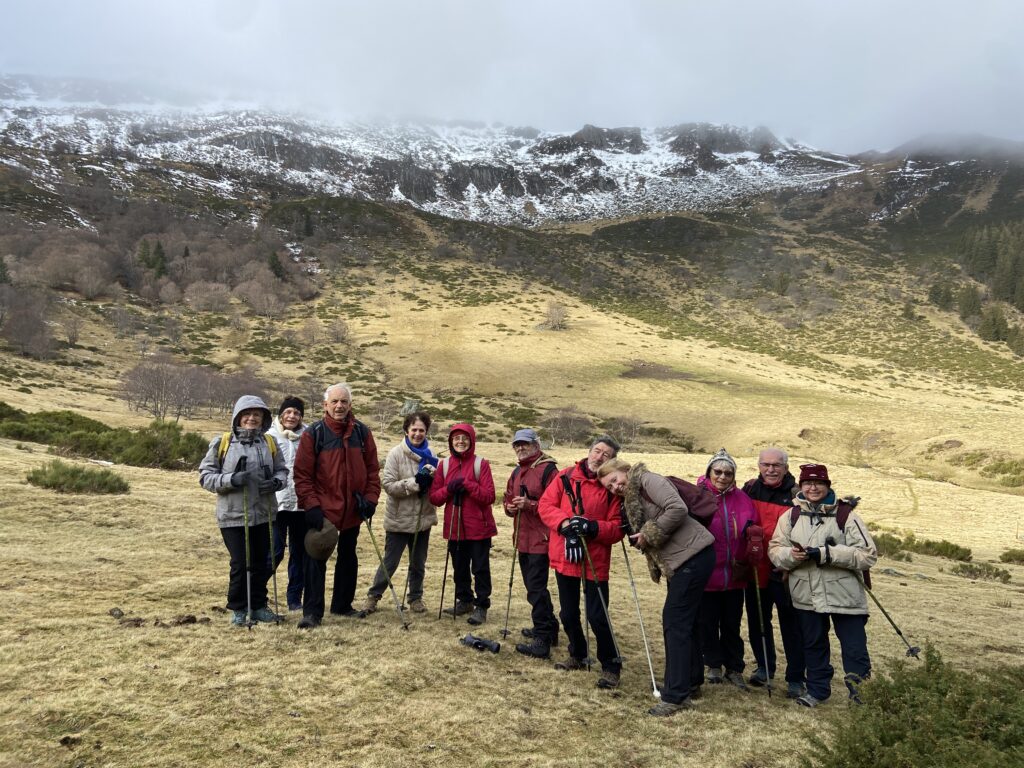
(364, 506)
(581, 526)
(813, 553)
(238, 479)
(315, 518)
(455, 486)
(270, 485)
(423, 480)
(573, 547)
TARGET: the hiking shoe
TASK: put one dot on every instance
(265, 615)
(714, 676)
(538, 648)
(238, 619)
(759, 679)
(666, 709)
(736, 678)
(417, 606)
(696, 692)
(479, 616)
(570, 664)
(795, 690)
(808, 701)
(529, 632)
(370, 606)
(608, 679)
(349, 613)
(308, 622)
(460, 609)
(294, 606)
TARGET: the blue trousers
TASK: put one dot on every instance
(853, 642)
(290, 532)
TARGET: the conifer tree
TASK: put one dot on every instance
(968, 301)
(993, 326)
(276, 266)
(144, 254)
(158, 261)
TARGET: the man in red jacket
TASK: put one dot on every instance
(523, 490)
(574, 506)
(772, 492)
(337, 478)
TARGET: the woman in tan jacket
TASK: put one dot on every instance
(408, 513)
(678, 548)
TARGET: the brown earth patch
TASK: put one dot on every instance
(641, 369)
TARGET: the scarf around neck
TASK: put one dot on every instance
(426, 457)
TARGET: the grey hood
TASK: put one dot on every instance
(244, 403)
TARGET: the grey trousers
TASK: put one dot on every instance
(394, 545)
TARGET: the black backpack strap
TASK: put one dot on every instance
(549, 470)
(575, 499)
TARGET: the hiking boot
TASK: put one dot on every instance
(265, 615)
(529, 632)
(538, 648)
(736, 678)
(795, 690)
(460, 609)
(478, 617)
(308, 622)
(349, 613)
(570, 664)
(294, 606)
(666, 709)
(238, 619)
(759, 679)
(714, 676)
(370, 605)
(696, 692)
(808, 701)
(608, 679)
(417, 606)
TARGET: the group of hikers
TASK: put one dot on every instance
(780, 543)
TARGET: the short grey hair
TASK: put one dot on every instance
(608, 440)
(774, 449)
(341, 385)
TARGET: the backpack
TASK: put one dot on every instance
(843, 510)
(545, 478)
(701, 503)
(477, 466)
(225, 441)
(357, 439)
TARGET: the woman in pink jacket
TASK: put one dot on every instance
(464, 485)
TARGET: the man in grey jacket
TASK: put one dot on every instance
(244, 467)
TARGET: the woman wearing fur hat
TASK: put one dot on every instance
(290, 523)
(245, 468)
(680, 549)
(825, 547)
(721, 608)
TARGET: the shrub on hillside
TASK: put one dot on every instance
(69, 478)
(163, 445)
(941, 548)
(932, 715)
(983, 571)
(1012, 556)
(888, 545)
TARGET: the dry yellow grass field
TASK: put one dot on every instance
(81, 688)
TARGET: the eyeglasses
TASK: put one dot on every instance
(767, 465)
(819, 483)
(723, 472)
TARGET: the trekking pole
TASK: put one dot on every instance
(640, 616)
(764, 638)
(586, 550)
(412, 554)
(380, 559)
(512, 573)
(248, 554)
(458, 550)
(273, 565)
(912, 650)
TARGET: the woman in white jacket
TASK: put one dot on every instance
(290, 523)
(408, 513)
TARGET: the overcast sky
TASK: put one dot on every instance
(844, 75)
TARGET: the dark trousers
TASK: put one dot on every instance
(472, 558)
(534, 568)
(290, 532)
(345, 571)
(259, 565)
(394, 545)
(721, 614)
(684, 670)
(853, 640)
(776, 594)
(569, 612)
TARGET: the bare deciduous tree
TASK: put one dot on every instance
(339, 332)
(311, 332)
(384, 410)
(556, 317)
(72, 325)
(568, 424)
(25, 327)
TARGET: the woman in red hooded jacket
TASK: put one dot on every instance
(464, 485)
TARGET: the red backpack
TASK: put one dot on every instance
(700, 502)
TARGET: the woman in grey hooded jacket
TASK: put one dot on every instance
(244, 467)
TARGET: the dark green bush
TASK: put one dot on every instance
(1012, 556)
(941, 548)
(69, 478)
(929, 715)
(983, 571)
(163, 445)
(888, 545)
